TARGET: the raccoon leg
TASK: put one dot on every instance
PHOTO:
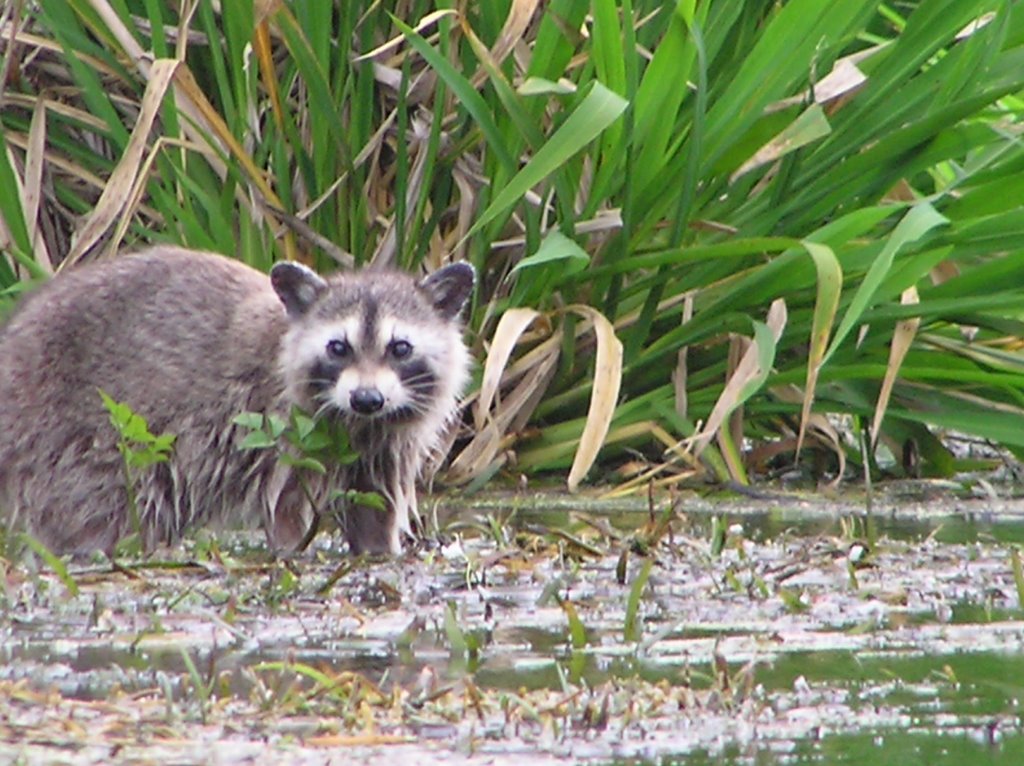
(369, 529)
(290, 521)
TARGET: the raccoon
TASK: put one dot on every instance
(189, 340)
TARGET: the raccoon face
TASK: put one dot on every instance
(374, 345)
(387, 369)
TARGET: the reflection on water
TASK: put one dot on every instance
(915, 652)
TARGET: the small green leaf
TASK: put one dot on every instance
(793, 600)
(538, 86)
(719, 530)
(120, 414)
(556, 247)
(316, 441)
(304, 425)
(164, 443)
(251, 420)
(372, 500)
(276, 426)
(632, 627)
(257, 440)
(136, 429)
(307, 462)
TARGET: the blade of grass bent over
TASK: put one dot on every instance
(918, 221)
(830, 281)
(903, 337)
(603, 397)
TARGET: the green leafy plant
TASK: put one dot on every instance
(314, 442)
(140, 450)
(709, 234)
(306, 444)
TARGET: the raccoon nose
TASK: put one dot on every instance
(366, 401)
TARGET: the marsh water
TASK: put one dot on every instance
(782, 629)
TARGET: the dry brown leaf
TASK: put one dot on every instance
(386, 252)
(541, 364)
(902, 339)
(33, 191)
(118, 189)
(680, 373)
(603, 397)
(516, 22)
(69, 111)
(944, 271)
(507, 417)
(393, 44)
(510, 328)
(844, 79)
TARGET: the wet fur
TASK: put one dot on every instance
(189, 340)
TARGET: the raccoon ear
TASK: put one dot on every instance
(449, 288)
(296, 285)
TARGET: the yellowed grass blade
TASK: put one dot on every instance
(681, 371)
(902, 338)
(265, 57)
(510, 328)
(57, 161)
(395, 42)
(32, 193)
(118, 189)
(747, 378)
(830, 282)
(192, 101)
(730, 436)
(675, 472)
(138, 190)
(499, 432)
(943, 272)
(603, 397)
(202, 123)
(515, 25)
(810, 126)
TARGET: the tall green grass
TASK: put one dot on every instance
(709, 233)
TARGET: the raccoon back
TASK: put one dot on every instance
(186, 339)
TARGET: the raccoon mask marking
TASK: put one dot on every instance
(189, 340)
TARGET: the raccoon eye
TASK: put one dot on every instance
(400, 349)
(339, 349)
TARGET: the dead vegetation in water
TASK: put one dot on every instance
(579, 639)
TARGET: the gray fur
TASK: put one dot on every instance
(189, 340)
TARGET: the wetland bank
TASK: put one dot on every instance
(720, 631)
(807, 260)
